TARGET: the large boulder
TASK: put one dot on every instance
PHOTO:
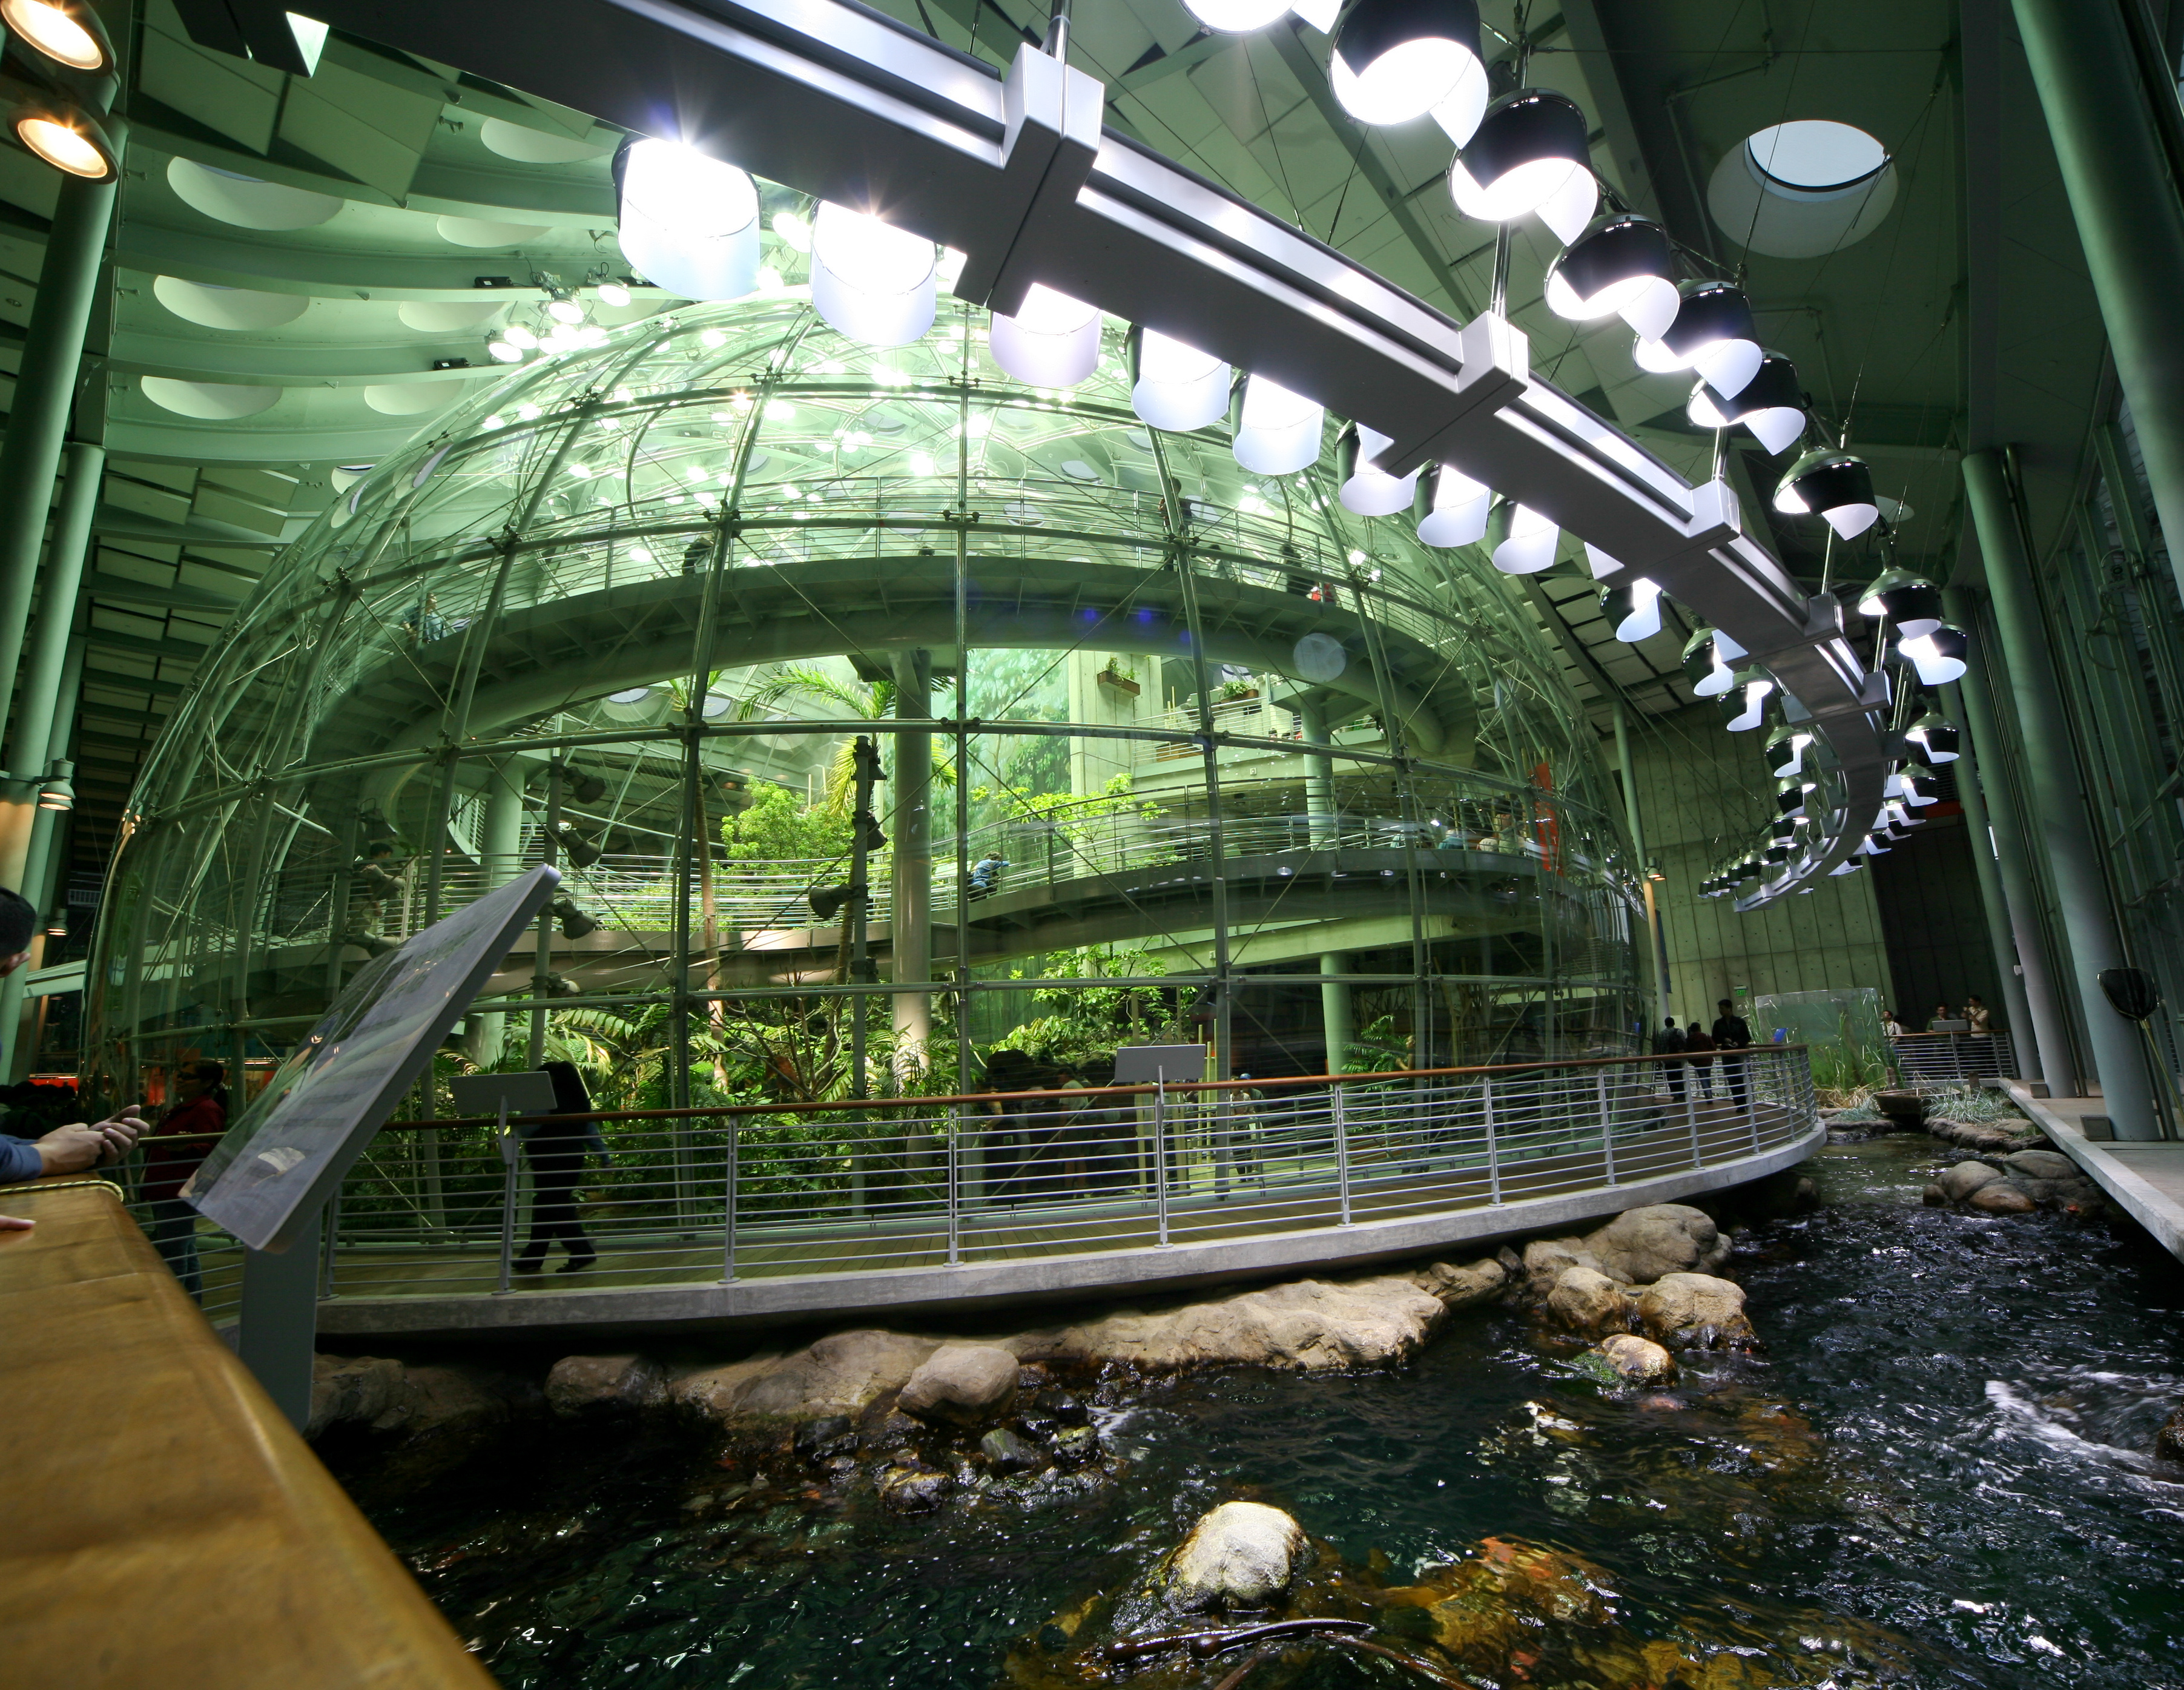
(1310, 1324)
(2041, 1165)
(963, 1384)
(1695, 1311)
(1639, 1360)
(1460, 1287)
(585, 1385)
(1958, 1181)
(1639, 1245)
(1544, 1259)
(843, 1373)
(1589, 1303)
(353, 1390)
(1242, 1555)
(2001, 1198)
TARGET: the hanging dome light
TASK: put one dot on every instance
(1935, 737)
(564, 308)
(1909, 600)
(613, 294)
(1713, 333)
(688, 223)
(1173, 386)
(1524, 540)
(1789, 797)
(1531, 155)
(873, 281)
(1621, 263)
(1834, 485)
(1633, 609)
(1457, 508)
(1277, 431)
(1771, 405)
(1052, 342)
(1398, 59)
(1366, 491)
(503, 350)
(1237, 17)
(1745, 701)
(1938, 655)
(58, 790)
(1707, 655)
(69, 139)
(67, 31)
(1786, 750)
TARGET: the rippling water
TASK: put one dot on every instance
(1937, 1475)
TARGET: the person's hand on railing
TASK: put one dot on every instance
(76, 1146)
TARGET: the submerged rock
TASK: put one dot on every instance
(964, 1385)
(1240, 1555)
(421, 1421)
(1641, 1245)
(2169, 1441)
(1695, 1312)
(1588, 1301)
(1076, 1447)
(1639, 1360)
(354, 1389)
(1006, 1452)
(912, 1489)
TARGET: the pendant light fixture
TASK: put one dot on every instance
(688, 223)
(871, 280)
(1745, 701)
(1621, 263)
(1395, 60)
(1175, 387)
(1366, 491)
(58, 790)
(1935, 737)
(67, 31)
(1237, 17)
(1832, 484)
(1713, 333)
(1786, 750)
(1524, 540)
(1277, 431)
(68, 138)
(1633, 609)
(1530, 155)
(1457, 508)
(1707, 655)
(1771, 405)
(1910, 601)
(1938, 655)
(1789, 797)
(1052, 342)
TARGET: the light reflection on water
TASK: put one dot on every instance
(1937, 1475)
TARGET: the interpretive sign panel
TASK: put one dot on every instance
(287, 1152)
(1152, 1064)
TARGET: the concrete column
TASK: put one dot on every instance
(2130, 222)
(500, 851)
(29, 753)
(38, 413)
(1324, 824)
(910, 924)
(2044, 1047)
(2066, 829)
(2015, 1007)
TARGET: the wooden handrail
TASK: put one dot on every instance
(166, 1525)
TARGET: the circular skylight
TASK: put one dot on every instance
(1816, 155)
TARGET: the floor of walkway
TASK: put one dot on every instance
(2146, 1180)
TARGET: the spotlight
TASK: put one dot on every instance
(585, 786)
(1911, 601)
(871, 280)
(68, 33)
(573, 921)
(563, 308)
(1620, 263)
(1237, 17)
(68, 139)
(1936, 736)
(1398, 59)
(1366, 491)
(503, 350)
(1833, 484)
(1526, 540)
(1939, 656)
(1277, 431)
(560, 985)
(688, 223)
(521, 339)
(1457, 508)
(58, 790)
(613, 293)
(1771, 405)
(1053, 341)
(827, 901)
(1713, 333)
(1530, 155)
(1633, 610)
(580, 850)
(1175, 387)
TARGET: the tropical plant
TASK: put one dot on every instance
(869, 702)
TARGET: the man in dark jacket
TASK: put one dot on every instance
(1669, 1041)
(1731, 1032)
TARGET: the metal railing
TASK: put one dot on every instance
(1944, 1058)
(703, 1196)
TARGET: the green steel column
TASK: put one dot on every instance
(2130, 222)
(2016, 1009)
(38, 412)
(1656, 939)
(500, 853)
(910, 921)
(28, 753)
(42, 869)
(1337, 1016)
(2065, 828)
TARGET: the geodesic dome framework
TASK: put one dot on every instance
(1248, 766)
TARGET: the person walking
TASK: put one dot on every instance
(1698, 1044)
(1671, 1041)
(555, 1148)
(1732, 1032)
(187, 1134)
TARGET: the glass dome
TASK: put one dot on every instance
(1162, 750)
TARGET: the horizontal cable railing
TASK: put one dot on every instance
(1946, 1058)
(702, 1197)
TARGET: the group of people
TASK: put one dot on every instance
(1697, 1049)
(1508, 836)
(1975, 1016)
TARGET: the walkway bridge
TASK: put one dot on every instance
(775, 1213)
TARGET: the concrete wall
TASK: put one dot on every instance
(1699, 788)
(1928, 890)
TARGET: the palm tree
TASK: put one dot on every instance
(866, 701)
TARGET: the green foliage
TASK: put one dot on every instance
(1965, 1101)
(776, 828)
(1848, 1069)
(1377, 1048)
(1079, 1022)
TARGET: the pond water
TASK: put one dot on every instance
(1936, 1474)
